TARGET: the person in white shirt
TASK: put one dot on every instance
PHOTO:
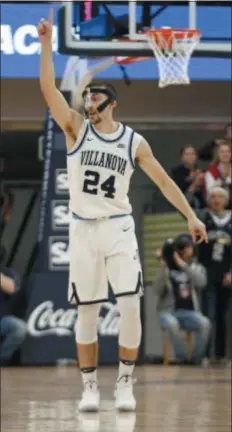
(219, 172)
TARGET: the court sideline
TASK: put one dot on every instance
(169, 399)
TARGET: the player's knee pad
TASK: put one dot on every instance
(130, 322)
(86, 329)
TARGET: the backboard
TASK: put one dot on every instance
(96, 29)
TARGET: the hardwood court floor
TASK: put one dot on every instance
(169, 399)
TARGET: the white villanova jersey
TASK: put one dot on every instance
(99, 172)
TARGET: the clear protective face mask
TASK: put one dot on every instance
(89, 101)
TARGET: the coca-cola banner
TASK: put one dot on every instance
(52, 320)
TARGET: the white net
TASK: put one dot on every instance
(173, 49)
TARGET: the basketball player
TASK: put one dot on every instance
(101, 157)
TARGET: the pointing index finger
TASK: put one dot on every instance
(50, 17)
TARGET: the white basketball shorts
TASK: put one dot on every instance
(102, 252)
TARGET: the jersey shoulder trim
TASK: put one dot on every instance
(80, 142)
(130, 149)
(106, 140)
(135, 140)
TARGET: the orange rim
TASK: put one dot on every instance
(164, 36)
(167, 36)
(177, 33)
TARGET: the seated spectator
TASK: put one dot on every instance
(189, 178)
(219, 172)
(207, 153)
(178, 282)
(216, 257)
(12, 330)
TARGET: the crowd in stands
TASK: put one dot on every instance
(13, 330)
(196, 182)
(195, 282)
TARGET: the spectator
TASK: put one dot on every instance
(178, 282)
(6, 202)
(219, 172)
(12, 329)
(216, 257)
(208, 151)
(189, 178)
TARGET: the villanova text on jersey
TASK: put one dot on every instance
(104, 160)
(100, 167)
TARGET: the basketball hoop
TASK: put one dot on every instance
(173, 49)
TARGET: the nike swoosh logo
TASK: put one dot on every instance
(127, 229)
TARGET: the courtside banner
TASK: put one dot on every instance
(54, 208)
(51, 320)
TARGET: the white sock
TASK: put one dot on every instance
(125, 368)
(89, 374)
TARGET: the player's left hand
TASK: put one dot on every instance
(197, 230)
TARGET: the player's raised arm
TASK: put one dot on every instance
(171, 191)
(69, 120)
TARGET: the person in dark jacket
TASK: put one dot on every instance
(12, 330)
(178, 283)
(189, 178)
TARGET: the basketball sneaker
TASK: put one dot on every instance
(90, 401)
(124, 397)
